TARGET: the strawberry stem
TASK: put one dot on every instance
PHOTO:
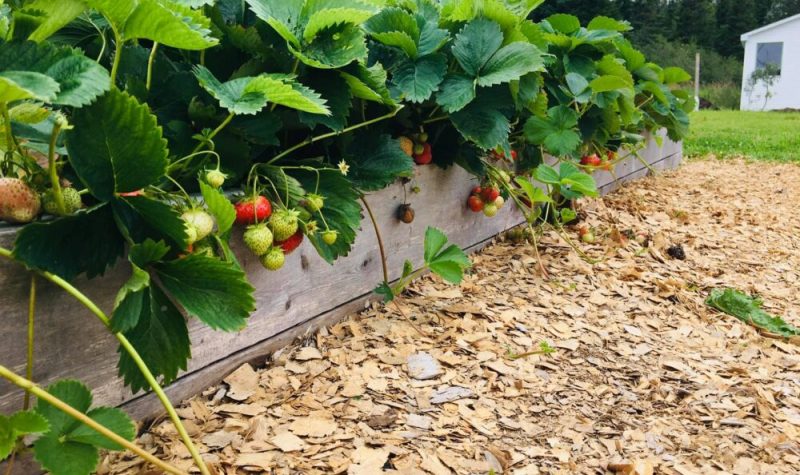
(150, 61)
(7, 127)
(51, 165)
(29, 360)
(378, 235)
(328, 135)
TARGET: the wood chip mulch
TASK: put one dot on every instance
(645, 378)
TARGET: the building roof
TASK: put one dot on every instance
(790, 19)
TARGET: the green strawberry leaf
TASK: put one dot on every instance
(116, 145)
(169, 23)
(19, 85)
(19, 424)
(608, 83)
(386, 291)
(86, 242)
(214, 291)
(342, 210)
(450, 263)
(395, 27)
(141, 218)
(161, 338)
(456, 92)
(475, 44)
(557, 132)
(336, 91)
(111, 418)
(70, 447)
(248, 95)
(376, 161)
(547, 174)
(54, 16)
(534, 194)
(368, 83)
(147, 252)
(220, 207)
(417, 80)
(80, 79)
(485, 121)
(675, 75)
(321, 34)
(510, 63)
(130, 300)
(564, 23)
(28, 422)
(65, 457)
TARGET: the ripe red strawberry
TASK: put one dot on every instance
(490, 194)
(18, 202)
(475, 203)
(407, 145)
(273, 259)
(249, 211)
(292, 243)
(514, 155)
(425, 157)
(477, 190)
(258, 238)
(283, 224)
(590, 160)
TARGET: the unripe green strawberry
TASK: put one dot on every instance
(423, 137)
(329, 237)
(72, 201)
(202, 222)
(490, 210)
(204, 249)
(419, 149)
(283, 224)
(18, 202)
(314, 202)
(258, 239)
(499, 202)
(215, 178)
(273, 259)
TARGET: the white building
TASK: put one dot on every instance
(777, 44)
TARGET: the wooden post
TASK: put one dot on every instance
(697, 81)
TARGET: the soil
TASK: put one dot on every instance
(645, 378)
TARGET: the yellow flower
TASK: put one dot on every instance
(344, 167)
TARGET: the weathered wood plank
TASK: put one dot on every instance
(308, 291)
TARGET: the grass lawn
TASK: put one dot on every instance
(757, 135)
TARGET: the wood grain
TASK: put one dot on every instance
(71, 343)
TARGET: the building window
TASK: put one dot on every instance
(769, 53)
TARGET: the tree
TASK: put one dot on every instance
(734, 17)
(697, 22)
(781, 9)
(583, 9)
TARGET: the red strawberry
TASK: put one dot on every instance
(292, 243)
(477, 190)
(475, 203)
(18, 202)
(425, 157)
(490, 194)
(514, 155)
(590, 160)
(249, 211)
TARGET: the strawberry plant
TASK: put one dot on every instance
(148, 129)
